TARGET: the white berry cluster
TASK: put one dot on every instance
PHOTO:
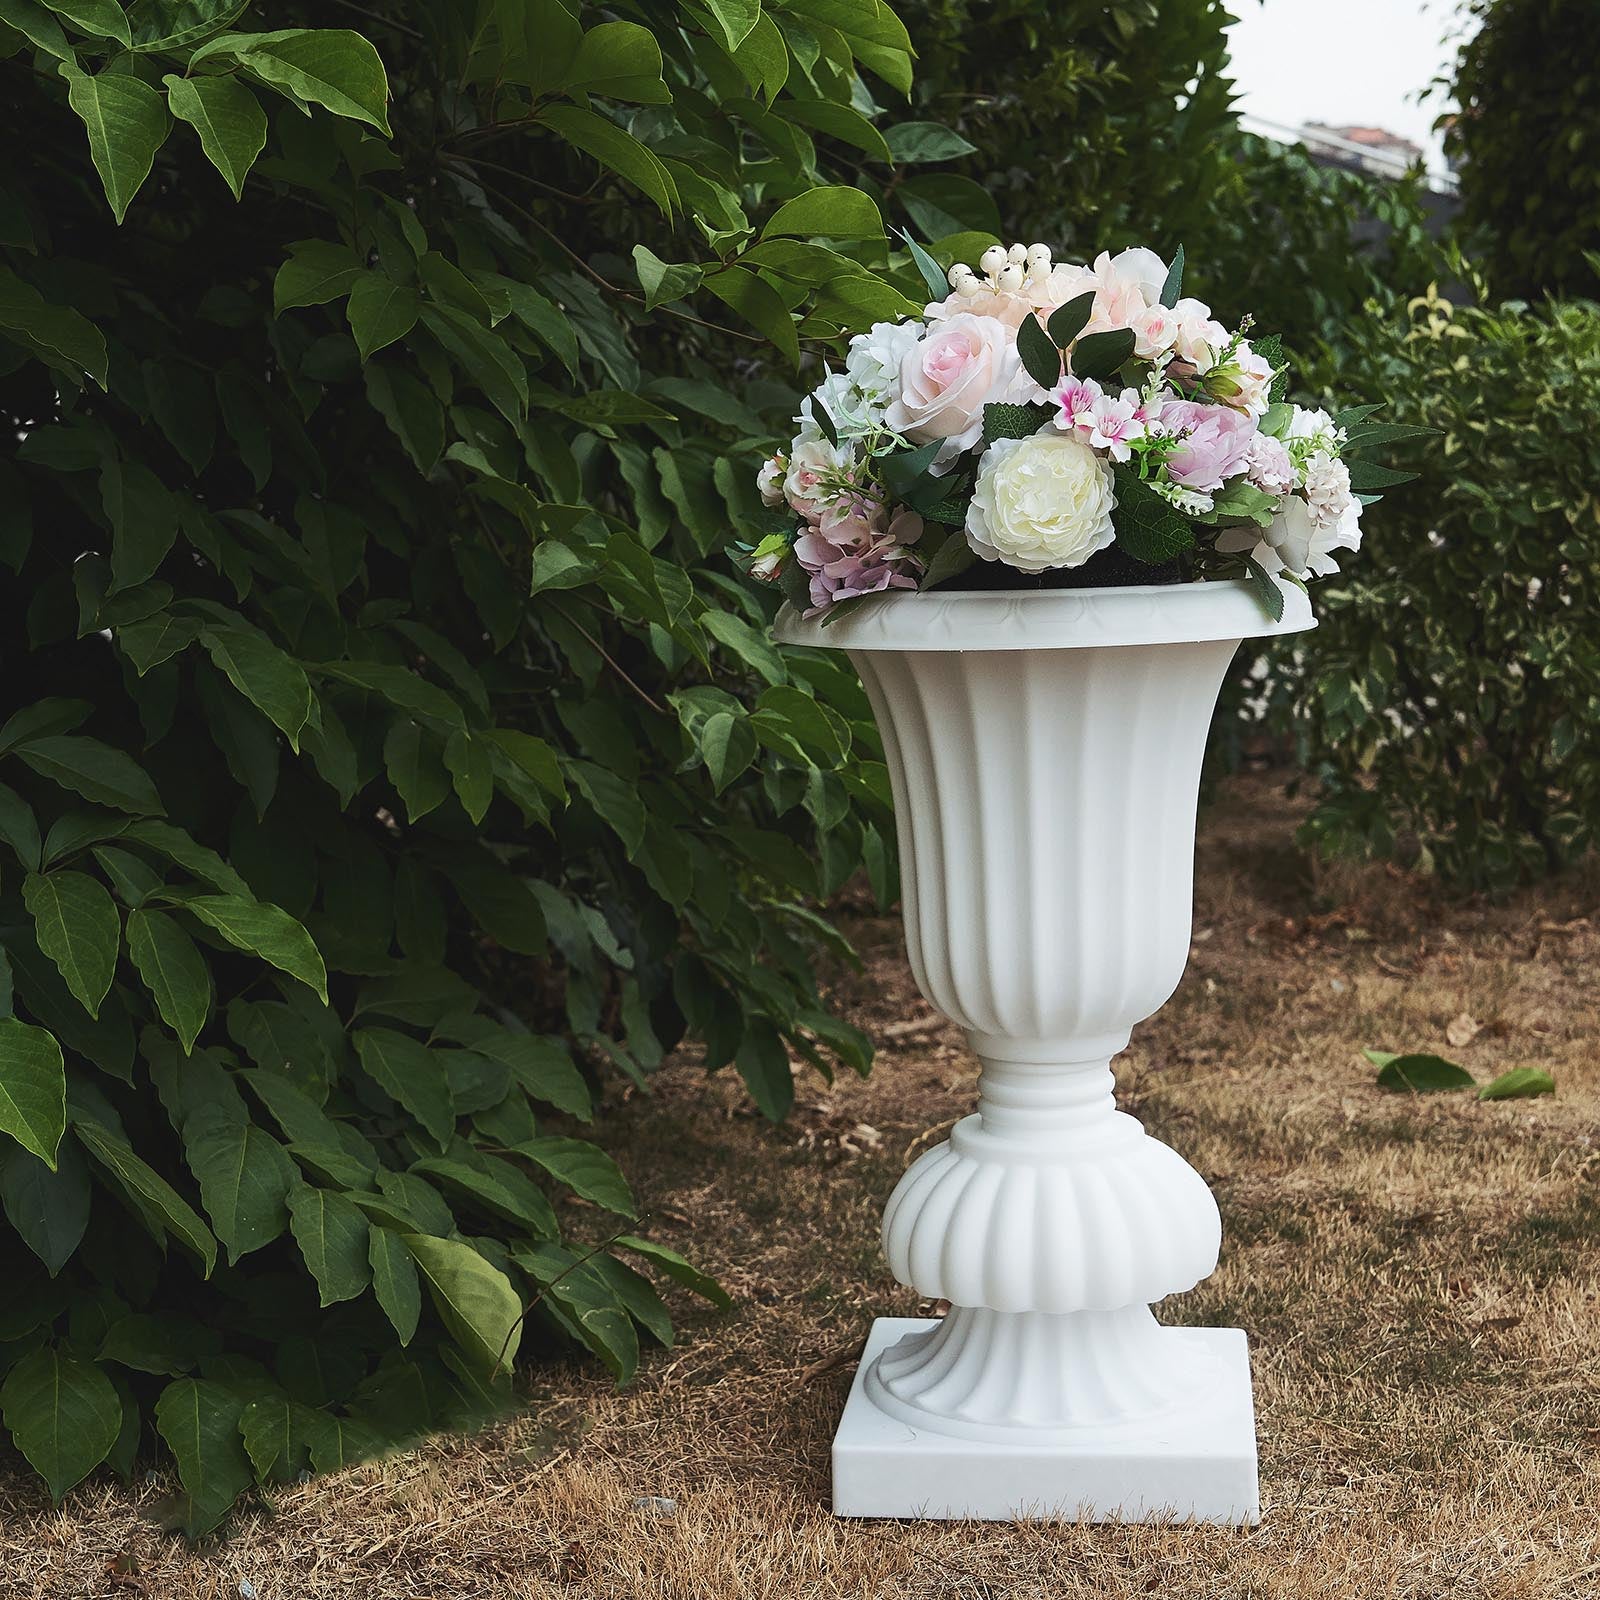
(1004, 271)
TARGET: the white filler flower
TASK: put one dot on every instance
(1041, 502)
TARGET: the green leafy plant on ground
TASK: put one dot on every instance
(1451, 691)
(394, 765)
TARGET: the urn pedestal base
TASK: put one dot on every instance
(1194, 1461)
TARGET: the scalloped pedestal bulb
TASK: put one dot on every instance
(1045, 750)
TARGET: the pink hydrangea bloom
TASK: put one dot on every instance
(1215, 441)
(858, 550)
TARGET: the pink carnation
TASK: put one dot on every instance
(1267, 465)
(1215, 442)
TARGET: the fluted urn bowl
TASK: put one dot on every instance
(1045, 749)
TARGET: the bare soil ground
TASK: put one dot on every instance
(1420, 1278)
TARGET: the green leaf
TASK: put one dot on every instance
(1418, 1073)
(760, 305)
(49, 1209)
(533, 756)
(332, 1235)
(1368, 475)
(1520, 1083)
(543, 1066)
(163, 1209)
(331, 67)
(415, 764)
(681, 1271)
(1099, 355)
(265, 931)
(37, 25)
(399, 686)
(63, 337)
(615, 148)
(394, 1281)
(1069, 320)
(911, 142)
(93, 770)
(104, 18)
(315, 272)
(63, 1414)
(77, 926)
(245, 1177)
(173, 970)
(933, 276)
(591, 1307)
(411, 411)
(406, 1070)
(832, 211)
(264, 675)
(1173, 287)
(584, 1168)
(1148, 528)
(663, 281)
(1267, 590)
(381, 311)
(199, 1420)
(621, 61)
(1004, 421)
(227, 117)
(615, 801)
(126, 121)
(476, 1303)
(470, 768)
(736, 19)
(273, 1430)
(753, 648)
(763, 1063)
(950, 560)
(727, 746)
(20, 828)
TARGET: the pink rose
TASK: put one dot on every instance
(1155, 331)
(946, 380)
(1199, 336)
(814, 468)
(1214, 443)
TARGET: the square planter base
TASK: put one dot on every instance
(1200, 1464)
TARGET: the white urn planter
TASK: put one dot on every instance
(1045, 750)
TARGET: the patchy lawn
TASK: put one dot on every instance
(1420, 1278)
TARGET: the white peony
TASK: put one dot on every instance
(1041, 502)
(947, 378)
(875, 359)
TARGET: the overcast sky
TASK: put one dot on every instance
(1344, 61)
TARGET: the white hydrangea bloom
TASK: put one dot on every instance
(875, 358)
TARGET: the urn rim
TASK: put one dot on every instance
(1052, 619)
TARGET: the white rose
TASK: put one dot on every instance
(947, 378)
(1041, 502)
(876, 357)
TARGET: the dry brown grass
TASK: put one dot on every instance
(1420, 1279)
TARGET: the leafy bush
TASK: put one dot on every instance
(1527, 141)
(1454, 708)
(395, 762)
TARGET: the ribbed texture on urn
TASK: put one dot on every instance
(1045, 807)
(982, 1375)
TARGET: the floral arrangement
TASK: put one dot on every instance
(1040, 413)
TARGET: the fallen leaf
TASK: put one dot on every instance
(1462, 1030)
